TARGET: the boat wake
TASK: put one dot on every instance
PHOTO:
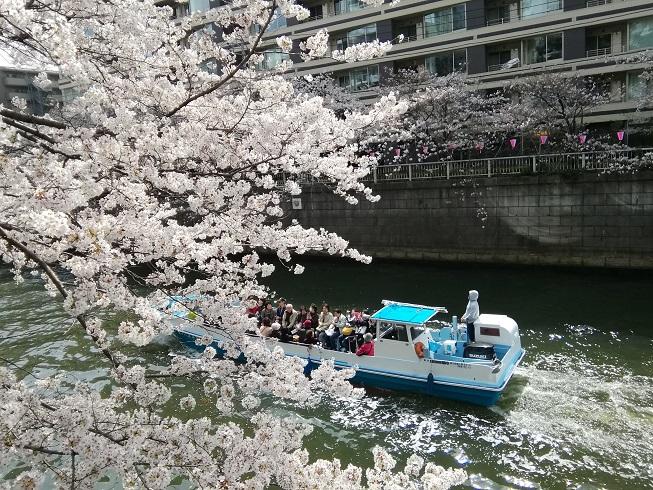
(581, 418)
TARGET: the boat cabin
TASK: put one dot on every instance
(400, 327)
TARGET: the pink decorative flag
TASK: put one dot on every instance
(513, 143)
(582, 138)
(620, 135)
(397, 152)
(543, 138)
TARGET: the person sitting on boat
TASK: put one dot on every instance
(325, 326)
(301, 318)
(266, 328)
(313, 316)
(367, 349)
(269, 312)
(471, 314)
(276, 331)
(331, 334)
(253, 306)
(281, 308)
(289, 318)
(310, 337)
(355, 317)
(345, 338)
(326, 318)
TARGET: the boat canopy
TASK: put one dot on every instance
(406, 313)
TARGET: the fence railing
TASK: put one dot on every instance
(522, 164)
(489, 167)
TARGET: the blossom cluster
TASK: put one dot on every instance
(167, 176)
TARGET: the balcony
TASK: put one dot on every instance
(596, 3)
(598, 52)
(501, 12)
(16, 81)
(513, 63)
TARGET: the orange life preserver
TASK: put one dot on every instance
(419, 349)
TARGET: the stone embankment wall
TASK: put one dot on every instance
(587, 219)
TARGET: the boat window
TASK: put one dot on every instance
(385, 330)
(494, 332)
(402, 335)
(416, 332)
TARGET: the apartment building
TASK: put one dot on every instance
(17, 82)
(492, 41)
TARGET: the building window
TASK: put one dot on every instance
(344, 6)
(272, 59)
(360, 78)
(277, 22)
(640, 33)
(199, 6)
(639, 87)
(501, 12)
(446, 63)
(598, 44)
(444, 20)
(543, 48)
(533, 8)
(363, 34)
(314, 13)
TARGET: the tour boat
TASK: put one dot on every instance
(444, 365)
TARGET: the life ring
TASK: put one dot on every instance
(419, 349)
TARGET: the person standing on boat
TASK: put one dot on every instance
(471, 314)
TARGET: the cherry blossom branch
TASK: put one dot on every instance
(232, 73)
(59, 286)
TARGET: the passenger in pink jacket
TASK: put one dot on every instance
(367, 349)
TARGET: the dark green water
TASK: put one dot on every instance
(578, 414)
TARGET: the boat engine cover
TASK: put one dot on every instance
(479, 350)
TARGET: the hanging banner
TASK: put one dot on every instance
(513, 143)
(620, 135)
(543, 138)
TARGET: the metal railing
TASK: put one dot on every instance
(596, 3)
(598, 52)
(522, 164)
(490, 167)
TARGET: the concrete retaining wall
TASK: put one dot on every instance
(587, 219)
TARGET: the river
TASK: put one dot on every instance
(578, 413)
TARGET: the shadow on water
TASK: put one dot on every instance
(577, 414)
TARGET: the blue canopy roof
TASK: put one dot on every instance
(405, 314)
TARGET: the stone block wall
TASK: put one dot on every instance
(587, 219)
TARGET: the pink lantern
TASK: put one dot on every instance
(620, 135)
(425, 149)
(397, 152)
(480, 145)
(543, 138)
(513, 142)
(582, 138)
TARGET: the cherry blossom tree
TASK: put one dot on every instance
(556, 104)
(446, 115)
(163, 178)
